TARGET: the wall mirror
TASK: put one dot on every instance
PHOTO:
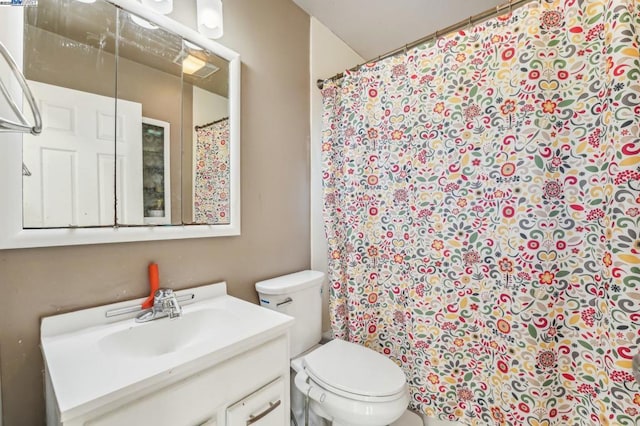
(140, 132)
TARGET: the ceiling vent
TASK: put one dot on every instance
(195, 66)
(206, 71)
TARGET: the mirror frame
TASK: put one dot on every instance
(12, 234)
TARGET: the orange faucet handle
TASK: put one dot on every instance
(154, 284)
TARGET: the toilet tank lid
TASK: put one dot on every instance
(290, 283)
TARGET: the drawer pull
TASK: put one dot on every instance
(272, 406)
(284, 302)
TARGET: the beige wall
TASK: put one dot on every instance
(273, 41)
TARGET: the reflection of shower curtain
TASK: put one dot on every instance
(211, 186)
(482, 208)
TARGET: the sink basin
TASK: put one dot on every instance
(163, 336)
(93, 358)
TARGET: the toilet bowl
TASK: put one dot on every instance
(347, 384)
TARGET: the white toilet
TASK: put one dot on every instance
(347, 384)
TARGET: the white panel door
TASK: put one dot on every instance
(73, 162)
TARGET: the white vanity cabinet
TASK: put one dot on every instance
(232, 370)
(228, 394)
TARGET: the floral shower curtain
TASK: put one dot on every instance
(211, 180)
(482, 209)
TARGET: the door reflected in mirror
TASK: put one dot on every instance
(69, 169)
(136, 128)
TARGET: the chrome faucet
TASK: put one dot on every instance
(165, 303)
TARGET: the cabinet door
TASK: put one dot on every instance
(203, 398)
(189, 403)
(265, 407)
(156, 167)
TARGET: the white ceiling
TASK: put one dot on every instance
(374, 27)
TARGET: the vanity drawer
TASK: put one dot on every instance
(264, 407)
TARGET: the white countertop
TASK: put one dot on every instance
(85, 376)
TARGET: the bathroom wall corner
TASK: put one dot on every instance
(329, 55)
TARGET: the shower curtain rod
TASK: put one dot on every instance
(487, 14)
(211, 124)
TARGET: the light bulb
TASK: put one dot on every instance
(210, 18)
(192, 45)
(143, 23)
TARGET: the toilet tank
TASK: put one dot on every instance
(300, 296)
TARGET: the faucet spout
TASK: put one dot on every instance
(165, 303)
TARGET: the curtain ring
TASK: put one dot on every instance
(510, 7)
(470, 22)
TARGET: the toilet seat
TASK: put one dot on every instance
(355, 372)
(354, 396)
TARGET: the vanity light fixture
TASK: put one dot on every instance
(143, 22)
(210, 18)
(191, 64)
(159, 6)
(192, 46)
